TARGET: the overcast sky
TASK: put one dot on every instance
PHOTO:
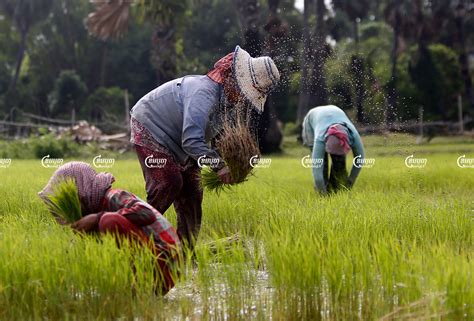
(299, 4)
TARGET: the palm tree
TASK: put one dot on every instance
(24, 14)
(318, 88)
(269, 134)
(303, 99)
(356, 10)
(401, 15)
(111, 18)
(249, 16)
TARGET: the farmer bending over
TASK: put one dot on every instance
(121, 213)
(328, 130)
(174, 123)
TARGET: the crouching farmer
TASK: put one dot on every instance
(328, 130)
(176, 122)
(121, 213)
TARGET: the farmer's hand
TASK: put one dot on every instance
(86, 224)
(224, 175)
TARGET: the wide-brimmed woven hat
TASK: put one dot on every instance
(255, 77)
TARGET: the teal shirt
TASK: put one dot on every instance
(315, 126)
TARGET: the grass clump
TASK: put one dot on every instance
(64, 201)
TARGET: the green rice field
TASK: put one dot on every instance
(398, 246)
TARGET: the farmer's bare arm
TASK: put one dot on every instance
(87, 224)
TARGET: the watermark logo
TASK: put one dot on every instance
(49, 162)
(258, 162)
(464, 162)
(154, 162)
(308, 162)
(5, 162)
(100, 162)
(412, 162)
(360, 162)
(208, 161)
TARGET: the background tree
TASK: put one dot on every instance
(68, 94)
(318, 94)
(24, 14)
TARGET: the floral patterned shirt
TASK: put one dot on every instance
(143, 215)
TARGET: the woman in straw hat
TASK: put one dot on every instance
(121, 213)
(173, 124)
(328, 130)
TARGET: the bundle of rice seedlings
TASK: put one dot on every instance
(64, 201)
(236, 145)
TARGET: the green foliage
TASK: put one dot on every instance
(50, 145)
(430, 79)
(64, 201)
(68, 93)
(105, 103)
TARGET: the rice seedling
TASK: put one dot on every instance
(64, 201)
(236, 145)
(397, 246)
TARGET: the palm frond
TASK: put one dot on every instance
(110, 18)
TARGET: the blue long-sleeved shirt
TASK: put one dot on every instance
(315, 126)
(177, 115)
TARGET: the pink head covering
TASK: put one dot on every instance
(91, 186)
(337, 140)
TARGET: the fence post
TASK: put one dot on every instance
(127, 109)
(420, 111)
(73, 117)
(461, 122)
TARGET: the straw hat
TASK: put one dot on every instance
(255, 77)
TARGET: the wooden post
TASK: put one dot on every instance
(73, 117)
(461, 122)
(420, 122)
(127, 109)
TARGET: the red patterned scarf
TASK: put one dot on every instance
(221, 68)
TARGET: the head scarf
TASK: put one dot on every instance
(222, 67)
(337, 140)
(91, 186)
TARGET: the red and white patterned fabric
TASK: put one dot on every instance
(222, 67)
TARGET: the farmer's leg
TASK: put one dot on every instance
(163, 185)
(188, 206)
(338, 176)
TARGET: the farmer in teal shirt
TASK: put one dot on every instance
(328, 130)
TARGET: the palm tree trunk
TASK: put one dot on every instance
(357, 69)
(103, 64)
(389, 114)
(463, 60)
(269, 133)
(249, 16)
(19, 59)
(303, 99)
(318, 89)
(163, 53)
